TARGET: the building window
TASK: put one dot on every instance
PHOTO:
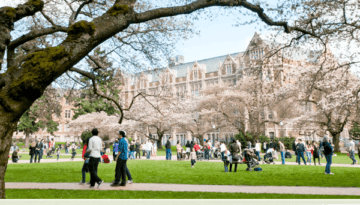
(272, 135)
(195, 75)
(67, 113)
(270, 115)
(59, 127)
(66, 102)
(228, 69)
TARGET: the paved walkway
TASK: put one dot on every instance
(193, 188)
(173, 159)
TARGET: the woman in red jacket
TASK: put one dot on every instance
(86, 162)
(196, 147)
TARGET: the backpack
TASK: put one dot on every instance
(105, 158)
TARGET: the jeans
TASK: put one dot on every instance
(93, 166)
(120, 171)
(282, 157)
(308, 154)
(192, 162)
(168, 154)
(128, 174)
(352, 156)
(178, 156)
(301, 154)
(258, 155)
(207, 154)
(31, 158)
(328, 163)
(137, 153)
(148, 153)
(226, 168)
(66, 151)
(143, 153)
(15, 160)
(222, 156)
(37, 154)
(58, 157)
(41, 154)
(132, 155)
(84, 169)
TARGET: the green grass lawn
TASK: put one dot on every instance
(112, 194)
(180, 172)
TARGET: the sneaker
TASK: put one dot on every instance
(129, 181)
(114, 184)
(81, 183)
(331, 173)
(192, 166)
(99, 183)
(122, 184)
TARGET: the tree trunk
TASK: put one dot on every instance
(201, 138)
(27, 137)
(160, 140)
(6, 132)
(336, 141)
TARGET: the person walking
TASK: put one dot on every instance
(222, 150)
(67, 145)
(309, 149)
(282, 152)
(95, 147)
(352, 151)
(316, 153)
(168, 149)
(193, 157)
(234, 152)
(39, 147)
(143, 148)
(207, 148)
(148, 149)
(121, 158)
(264, 146)
(294, 149)
(300, 149)
(257, 149)
(188, 149)
(154, 149)
(32, 150)
(328, 152)
(178, 150)
(137, 148)
(86, 157)
(115, 148)
(132, 150)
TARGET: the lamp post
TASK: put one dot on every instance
(282, 129)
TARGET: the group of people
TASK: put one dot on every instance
(92, 154)
(134, 149)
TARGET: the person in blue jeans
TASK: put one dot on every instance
(168, 149)
(328, 151)
(300, 149)
(352, 151)
(282, 152)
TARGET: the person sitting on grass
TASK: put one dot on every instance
(226, 163)
(57, 153)
(15, 156)
(193, 157)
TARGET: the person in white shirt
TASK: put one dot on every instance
(257, 149)
(148, 149)
(211, 150)
(352, 151)
(239, 144)
(222, 150)
(95, 144)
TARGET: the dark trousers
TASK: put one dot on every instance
(207, 154)
(93, 166)
(83, 171)
(301, 154)
(317, 158)
(192, 162)
(235, 167)
(143, 153)
(31, 158)
(114, 156)
(120, 171)
(37, 154)
(137, 153)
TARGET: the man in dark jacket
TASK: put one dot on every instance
(294, 149)
(234, 152)
(168, 149)
(137, 148)
(328, 152)
(38, 149)
(300, 149)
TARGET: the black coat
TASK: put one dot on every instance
(168, 145)
(31, 150)
(316, 152)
